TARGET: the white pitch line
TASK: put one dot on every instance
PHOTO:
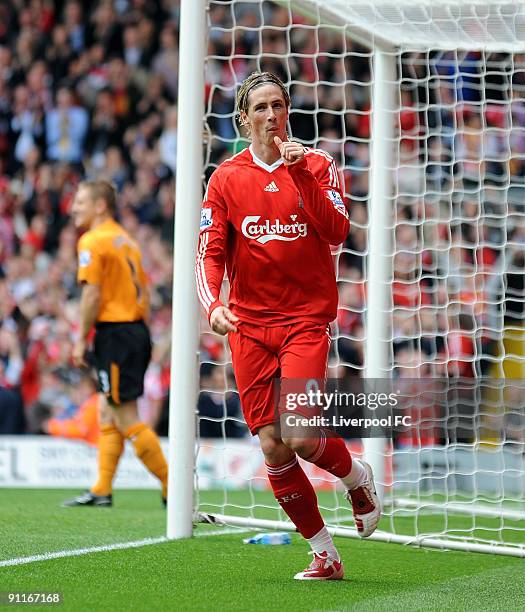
(60, 554)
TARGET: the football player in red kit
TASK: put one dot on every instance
(270, 214)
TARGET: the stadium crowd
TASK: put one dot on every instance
(89, 89)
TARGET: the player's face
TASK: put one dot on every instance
(267, 114)
(83, 210)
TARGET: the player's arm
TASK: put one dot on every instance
(66, 428)
(147, 303)
(211, 257)
(90, 276)
(79, 426)
(89, 308)
(322, 197)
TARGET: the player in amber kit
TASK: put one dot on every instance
(115, 301)
(270, 214)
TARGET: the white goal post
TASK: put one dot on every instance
(185, 326)
(388, 30)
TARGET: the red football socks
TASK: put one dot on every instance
(332, 455)
(296, 496)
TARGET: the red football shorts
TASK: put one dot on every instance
(260, 355)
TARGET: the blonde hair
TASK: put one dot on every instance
(257, 79)
(104, 190)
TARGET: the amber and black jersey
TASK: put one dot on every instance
(110, 258)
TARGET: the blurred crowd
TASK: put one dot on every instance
(89, 89)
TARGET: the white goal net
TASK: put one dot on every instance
(422, 105)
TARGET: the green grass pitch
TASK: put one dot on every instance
(221, 573)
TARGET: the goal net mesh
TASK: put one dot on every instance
(458, 226)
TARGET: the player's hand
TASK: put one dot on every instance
(291, 152)
(79, 350)
(223, 320)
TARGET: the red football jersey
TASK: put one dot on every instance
(272, 226)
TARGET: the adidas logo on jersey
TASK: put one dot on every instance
(271, 187)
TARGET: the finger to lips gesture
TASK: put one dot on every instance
(291, 152)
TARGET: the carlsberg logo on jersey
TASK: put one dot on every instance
(266, 231)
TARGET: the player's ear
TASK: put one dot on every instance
(243, 118)
(101, 206)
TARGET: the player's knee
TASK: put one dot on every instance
(302, 446)
(275, 452)
(125, 415)
(269, 445)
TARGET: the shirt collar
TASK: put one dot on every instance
(263, 165)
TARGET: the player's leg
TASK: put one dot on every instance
(110, 448)
(111, 441)
(296, 496)
(256, 366)
(126, 385)
(145, 441)
(291, 487)
(304, 355)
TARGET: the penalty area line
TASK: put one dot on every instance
(79, 552)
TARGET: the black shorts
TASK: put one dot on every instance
(122, 354)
